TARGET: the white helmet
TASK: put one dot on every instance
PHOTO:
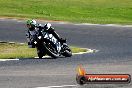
(31, 22)
(34, 22)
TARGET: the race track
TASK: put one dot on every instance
(115, 56)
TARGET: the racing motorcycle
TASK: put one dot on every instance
(47, 44)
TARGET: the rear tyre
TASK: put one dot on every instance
(67, 51)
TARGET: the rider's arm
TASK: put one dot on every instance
(28, 35)
(40, 27)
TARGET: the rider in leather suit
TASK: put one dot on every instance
(33, 28)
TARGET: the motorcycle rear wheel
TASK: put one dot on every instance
(67, 51)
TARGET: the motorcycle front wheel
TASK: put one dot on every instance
(50, 48)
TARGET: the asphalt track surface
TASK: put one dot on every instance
(114, 56)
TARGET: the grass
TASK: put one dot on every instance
(83, 11)
(17, 50)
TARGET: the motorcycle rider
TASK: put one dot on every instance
(33, 28)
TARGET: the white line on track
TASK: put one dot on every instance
(43, 57)
(88, 51)
(58, 86)
(9, 59)
(108, 25)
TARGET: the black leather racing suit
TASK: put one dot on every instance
(32, 32)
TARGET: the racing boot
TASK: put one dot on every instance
(31, 45)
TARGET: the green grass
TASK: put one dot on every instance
(84, 11)
(22, 51)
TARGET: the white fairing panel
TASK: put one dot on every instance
(48, 25)
(54, 40)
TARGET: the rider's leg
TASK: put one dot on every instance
(30, 43)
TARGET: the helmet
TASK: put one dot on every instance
(32, 23)
(47, 26)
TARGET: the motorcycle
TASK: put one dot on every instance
(47, 44)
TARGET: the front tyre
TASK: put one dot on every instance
(50, 49)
